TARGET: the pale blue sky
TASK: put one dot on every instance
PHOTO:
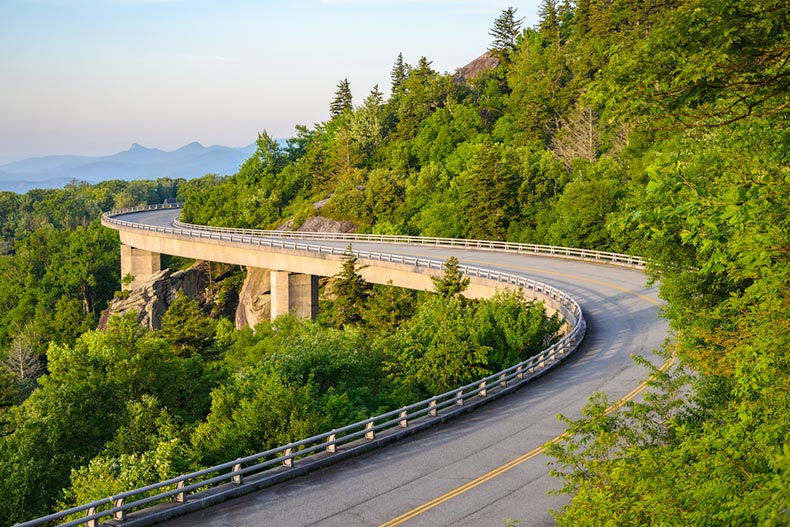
(93, 76)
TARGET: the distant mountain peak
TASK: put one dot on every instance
(194, 145)
(137, 146)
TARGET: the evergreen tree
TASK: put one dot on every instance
(399, 73)
(342, 100)
(367, 122)
(453, 282)
(505, 32)
(550, 20)
(350, 292)
(493, 189)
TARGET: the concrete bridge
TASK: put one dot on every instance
(473, 471)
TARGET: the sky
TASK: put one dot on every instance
(91, 77)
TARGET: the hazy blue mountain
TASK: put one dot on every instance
(138, 162)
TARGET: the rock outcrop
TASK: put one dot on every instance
(475, 69)
(322, 224)
(255, 299)
(152, 298)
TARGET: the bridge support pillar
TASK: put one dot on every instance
(294, 293)
(138, 263)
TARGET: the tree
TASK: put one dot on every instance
(506, 30)
(493, 181)
(187, 328)
(452, 283)
(22, 360)
(342, 101)
(550, 20)
(271, 157)
(367, 123)
(435, 350)
(400, 70)
(349, 292)
(578, 137)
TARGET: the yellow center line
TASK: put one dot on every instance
(514, 463)
(541, 449)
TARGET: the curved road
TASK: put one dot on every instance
(472, 471)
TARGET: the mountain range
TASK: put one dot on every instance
(138, 162)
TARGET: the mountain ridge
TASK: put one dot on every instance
(137, 162)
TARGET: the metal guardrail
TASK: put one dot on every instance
(488, 245)
(395, 422)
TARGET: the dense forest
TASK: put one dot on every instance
(657, 128)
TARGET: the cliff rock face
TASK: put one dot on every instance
(255, 304)
(152, 298)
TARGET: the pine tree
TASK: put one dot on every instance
(453, 282)
(550, 21)
(350, 291)
(342, 100)
(505, 32)
(399, 73)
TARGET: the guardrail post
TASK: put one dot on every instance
(331, 447)
(119, 515)
(483, 391)
(181, 496)
(91, 523)
(503, 380)
(404, 423)
(432, 408)
(288, 461)
(519, 372)
(236, 477)
(371, 433)
(459, 398)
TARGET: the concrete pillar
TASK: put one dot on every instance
(294, 293)
(139, 263)
(303, 293)
(281, 299)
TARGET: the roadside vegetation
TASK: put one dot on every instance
(654, 128)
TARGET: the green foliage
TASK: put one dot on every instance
(450, 342)
(254, 413)
(81, 404)
(506, 31)
(187, 328)
(435, 351)
(513, 328)
(342, 101)
(349, 292)
(452, 283)
(493, 185)
(400, 70)
(708, 448)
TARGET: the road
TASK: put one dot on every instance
(391, 486)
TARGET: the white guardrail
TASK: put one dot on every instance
(215, 484)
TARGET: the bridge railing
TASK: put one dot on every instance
(489, 245)
(270, 463)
